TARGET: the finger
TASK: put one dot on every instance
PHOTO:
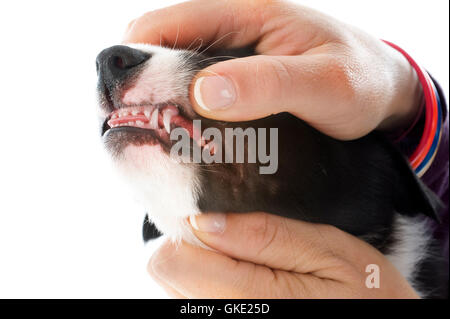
(171, 292)
(258, 86)
(284, 244)
(198, 273)
(179, 25)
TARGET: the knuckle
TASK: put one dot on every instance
(262, 233)
(274, 77)
(341, 73)
(283, 74)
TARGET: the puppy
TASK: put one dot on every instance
(364, 187)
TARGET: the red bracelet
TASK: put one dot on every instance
(431, 114)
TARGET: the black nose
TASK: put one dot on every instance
(116, 63)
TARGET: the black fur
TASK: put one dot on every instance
(149, 230)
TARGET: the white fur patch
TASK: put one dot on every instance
(412, 237)
(165, 77)
(167, 190)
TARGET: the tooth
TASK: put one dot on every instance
(140, 123)
(135, 112)
(154, 119)
(114, 116)
(148, 112)
(166, 120)
(130, 123)
(124, 113)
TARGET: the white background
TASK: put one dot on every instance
(68, 228)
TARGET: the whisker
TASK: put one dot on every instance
(218, 57)
(192, 42)
(220, 39)
(214, 73)
(176, 39)
(196, 50)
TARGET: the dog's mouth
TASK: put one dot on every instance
(156, 121)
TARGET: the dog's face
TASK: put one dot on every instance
(143, 96)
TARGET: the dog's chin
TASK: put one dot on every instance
(167, 190)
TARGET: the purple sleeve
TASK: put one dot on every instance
(437, 176)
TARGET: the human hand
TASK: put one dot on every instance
(266, 256)
(335, 77)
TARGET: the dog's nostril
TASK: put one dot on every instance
(116, 62)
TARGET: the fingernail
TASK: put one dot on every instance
(214, 92)
(209, 223)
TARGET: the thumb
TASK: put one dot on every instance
(258, 86)
(270, 240)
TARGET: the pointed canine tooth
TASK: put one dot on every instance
(166, 120)
(114, 116)
(135, 112)
(154, 119)
(148, 112)
(167, 116)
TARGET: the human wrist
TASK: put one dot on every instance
(407, 102)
